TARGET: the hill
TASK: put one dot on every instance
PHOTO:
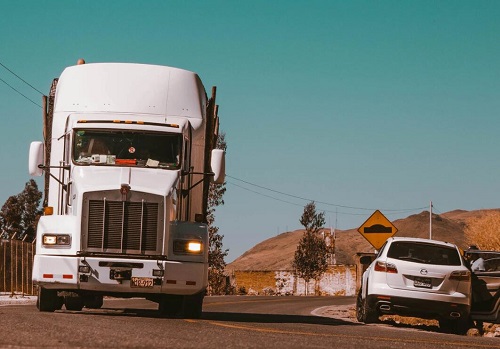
(277, 252)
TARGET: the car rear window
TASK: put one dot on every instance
(425, 253)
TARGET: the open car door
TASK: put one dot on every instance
(486, 287)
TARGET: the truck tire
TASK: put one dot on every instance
(170, 306)
(73, 303)
(48, 300)
(93, 302)
(193, 306)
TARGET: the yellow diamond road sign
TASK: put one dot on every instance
(377, 229)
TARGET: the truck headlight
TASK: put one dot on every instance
(56, 240)
(188, 247)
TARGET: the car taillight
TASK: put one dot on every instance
(385, 267)
(461, 275)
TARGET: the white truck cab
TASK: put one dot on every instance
(128, 156)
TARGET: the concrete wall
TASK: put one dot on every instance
(338, 280)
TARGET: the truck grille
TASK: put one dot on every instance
(123, 227)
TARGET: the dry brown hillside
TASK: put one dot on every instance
(277, 252)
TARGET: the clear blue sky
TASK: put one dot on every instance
(367, 104)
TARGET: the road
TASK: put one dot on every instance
(227, 322)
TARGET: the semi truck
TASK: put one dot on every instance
(128, 153)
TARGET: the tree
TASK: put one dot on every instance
(20, 213)
(29, 200)
(216, 253)
(310, 260)
(11, 218)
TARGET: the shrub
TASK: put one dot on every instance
(484, 231)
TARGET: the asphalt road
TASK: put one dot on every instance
(227, 322)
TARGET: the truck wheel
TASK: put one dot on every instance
(74, 303)
(193, 306)
(170, 306)
(93, 302)
(48, 300)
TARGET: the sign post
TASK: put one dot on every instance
(377, 229)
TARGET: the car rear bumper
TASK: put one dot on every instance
(417, 307)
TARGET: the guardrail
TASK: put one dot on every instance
(16, 264)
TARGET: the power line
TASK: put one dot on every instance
(267, 196)
(5, 82)
(326, 203)
(291, 203)
(20, 78)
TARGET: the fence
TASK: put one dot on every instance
(16, 263)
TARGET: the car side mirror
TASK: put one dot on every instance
(36, 158)
(218, 165)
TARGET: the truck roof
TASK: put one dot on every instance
(131, 88)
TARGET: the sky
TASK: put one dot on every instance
(355, 105)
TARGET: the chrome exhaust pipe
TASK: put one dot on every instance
(385, 307)
(455, 314)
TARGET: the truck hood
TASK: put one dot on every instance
(148, 180)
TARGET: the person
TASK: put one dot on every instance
(476, 261)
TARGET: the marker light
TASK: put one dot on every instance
(48, 211)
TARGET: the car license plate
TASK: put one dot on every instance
(422, 282)
(141, 282)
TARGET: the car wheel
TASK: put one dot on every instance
(363, 312)
(455, 326)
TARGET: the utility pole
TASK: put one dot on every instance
(430, 221)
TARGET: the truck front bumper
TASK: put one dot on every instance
(119, 276)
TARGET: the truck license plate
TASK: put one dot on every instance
(422, 282)
(141, 282)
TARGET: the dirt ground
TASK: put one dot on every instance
(348, 313)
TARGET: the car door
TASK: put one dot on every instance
(486, 289)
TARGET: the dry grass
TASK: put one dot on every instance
(483, 231)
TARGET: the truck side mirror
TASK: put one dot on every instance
(36, 158)
(218, 165)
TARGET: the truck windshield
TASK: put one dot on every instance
(126, 148)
